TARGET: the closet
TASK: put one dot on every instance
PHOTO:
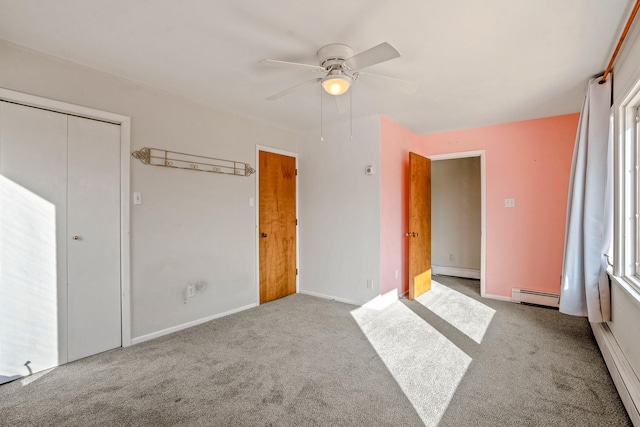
(60, 290)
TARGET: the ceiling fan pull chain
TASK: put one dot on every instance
(351, 114)
(321, 133)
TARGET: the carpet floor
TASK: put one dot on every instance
(449, 358)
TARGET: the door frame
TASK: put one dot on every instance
(483, 207)
(125, 147)
(256, 203)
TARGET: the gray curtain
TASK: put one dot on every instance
(585, 284)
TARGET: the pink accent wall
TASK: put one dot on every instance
(529, 161)
(395, 144)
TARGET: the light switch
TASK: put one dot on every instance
(137, 198)
(252, 202)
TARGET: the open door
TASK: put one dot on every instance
(419, 233)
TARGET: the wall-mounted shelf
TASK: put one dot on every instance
(174, 159)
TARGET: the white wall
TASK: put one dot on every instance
(191, 226)
(456, 213)
(340, 211)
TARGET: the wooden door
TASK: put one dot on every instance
(277, 226)
(419, 233)
(93, 237)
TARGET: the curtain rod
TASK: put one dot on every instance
(622, 37)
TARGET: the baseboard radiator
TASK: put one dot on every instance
(534, 297)
(622, 373)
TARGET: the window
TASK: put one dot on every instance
(627, 190)
(635, 200)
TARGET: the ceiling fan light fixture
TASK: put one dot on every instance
(336, 84)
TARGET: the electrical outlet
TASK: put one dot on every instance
(191, 291)
(451, 257)
(396, 274)
(509, 203)
(369, 283)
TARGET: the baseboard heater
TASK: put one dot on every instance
(534, 297)
(622, 373)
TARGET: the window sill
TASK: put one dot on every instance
(630, 289)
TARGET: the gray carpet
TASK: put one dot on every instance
(449, 359)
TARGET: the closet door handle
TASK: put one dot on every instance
(263, 235)
(76, 237)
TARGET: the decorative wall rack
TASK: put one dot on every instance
(173, 159)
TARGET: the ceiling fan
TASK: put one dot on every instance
(341, 67)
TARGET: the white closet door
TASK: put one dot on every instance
(33, 255)
(93, 237)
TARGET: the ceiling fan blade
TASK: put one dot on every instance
(381, 53)
(343, 103)
(404, 86)
(292, 89)
(285, 64)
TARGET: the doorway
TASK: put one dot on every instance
(461, 252)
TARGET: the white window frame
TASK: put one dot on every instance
(633, 116)
(626, 267)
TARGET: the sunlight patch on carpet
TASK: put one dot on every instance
(466, 314)
(425, 364)
(31, 378)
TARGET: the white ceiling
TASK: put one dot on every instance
(477, 62)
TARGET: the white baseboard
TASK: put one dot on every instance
(324, 296)
(177, 328)
(380, 302)
(497, 297)
(622, 373)
(468, 273)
